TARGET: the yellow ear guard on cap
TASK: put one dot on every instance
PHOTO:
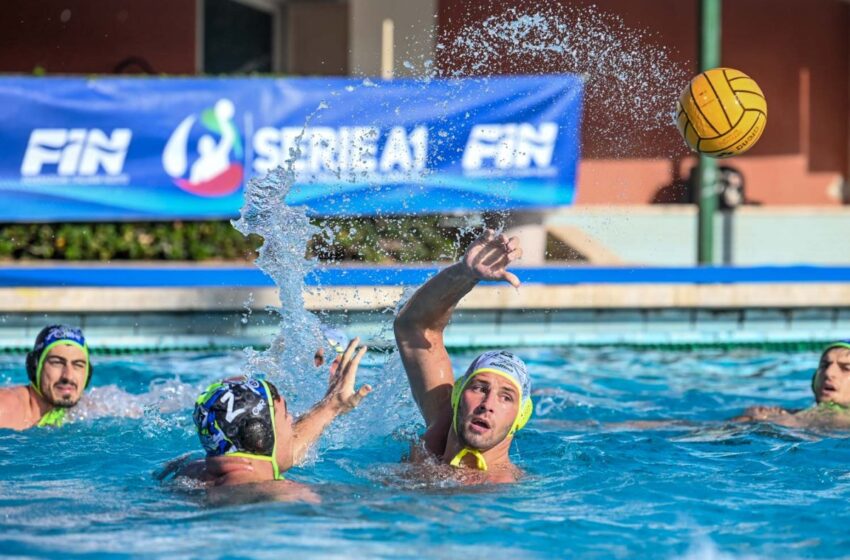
(504, 364)
(523, 414)
(526, 407)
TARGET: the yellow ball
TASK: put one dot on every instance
(721, 113)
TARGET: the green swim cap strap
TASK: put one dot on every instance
(839, 344)
(205, 396)
(526, 407)
(834, 407)
(54, 418)
(479, 458)
(43, 356)
(277, 475)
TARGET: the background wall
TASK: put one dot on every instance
(797, 51)
(414, 22)
(95, 36)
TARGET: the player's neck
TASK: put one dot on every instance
(495, 457)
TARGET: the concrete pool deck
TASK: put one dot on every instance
(188, 306)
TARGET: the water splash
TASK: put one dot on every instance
(631, 83)
(286, 231)
(164, 397)
(631, 79)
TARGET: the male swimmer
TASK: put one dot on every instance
(59, 370)
(831, 388)
(470, 422)
(249, 436)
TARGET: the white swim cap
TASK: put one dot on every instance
(507, 365)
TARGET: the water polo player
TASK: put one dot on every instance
(831, 388)
(248, 433)
(470, 423)
(59, 370)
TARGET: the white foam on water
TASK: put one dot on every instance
(706, 549)
(164, 397)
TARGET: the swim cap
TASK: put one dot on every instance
(836, 344)
(49, 337)
(501, 363)
(236, 417)
(831, 346)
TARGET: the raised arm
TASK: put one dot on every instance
(339, 399)
(420, 324)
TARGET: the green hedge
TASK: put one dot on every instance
(414, 239)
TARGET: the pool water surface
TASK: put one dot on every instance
(597, 485)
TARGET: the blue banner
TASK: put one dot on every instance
(109, 149)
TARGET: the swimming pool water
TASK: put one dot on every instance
(595, 487)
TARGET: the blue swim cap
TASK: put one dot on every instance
(46, 339)
(236, 417)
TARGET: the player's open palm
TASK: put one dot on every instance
(489, 256)
(341, 391)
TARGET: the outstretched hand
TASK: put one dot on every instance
(341, 394)
(489, 256)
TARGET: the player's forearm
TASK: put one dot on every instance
(431, 307)
(310, 426)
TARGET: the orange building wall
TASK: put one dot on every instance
(94, 36)
(796, 49)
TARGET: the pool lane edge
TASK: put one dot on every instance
(497, 297)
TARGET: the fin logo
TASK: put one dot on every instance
(76, 152)
(211, 173)
(510, 146)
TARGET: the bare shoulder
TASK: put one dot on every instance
(508, 474)
(436, 435)
(13, 407)
(824, 418)
(270, 491)
(11, 395)
(775, 414)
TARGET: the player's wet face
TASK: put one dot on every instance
(487, 410)
(63, 375)
(832, 381)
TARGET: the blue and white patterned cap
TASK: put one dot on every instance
(57, 333)
(236, 416)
